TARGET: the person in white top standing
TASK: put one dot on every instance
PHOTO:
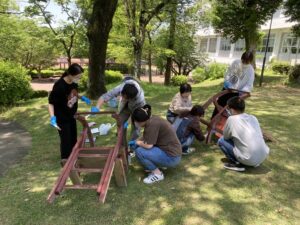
(239, 76)
(242, 141)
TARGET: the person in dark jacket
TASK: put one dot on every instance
(187, 127)
(63, 106)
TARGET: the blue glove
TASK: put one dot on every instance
(132, 144)
(53, 122)
(113, 103)
(125, 125)
(86, 100)
(95, 109)
(226, 84)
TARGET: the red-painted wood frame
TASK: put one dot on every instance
(115, 154)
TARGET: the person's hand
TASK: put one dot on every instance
(125, 125)
(86, 100)
(95, 109)
(226, 84)
(54, 123)
(132, 144)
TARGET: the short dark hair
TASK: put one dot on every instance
(237, 104)
(142, 114)
(197, 110)
(247, 57)
(73, 70)
(184, 88)
(130, 91)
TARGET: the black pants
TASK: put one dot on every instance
(222, 101)
(68, 137)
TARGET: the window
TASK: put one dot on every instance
(270, 45)
(225, 44)
(290, 44)
(212, 45)
(203, 44)
(239, 45)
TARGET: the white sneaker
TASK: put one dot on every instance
(152, 178)
(189, 151)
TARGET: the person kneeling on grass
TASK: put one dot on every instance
(187, 127)
(159, 146)
(242, 141)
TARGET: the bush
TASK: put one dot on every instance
(215, 71)
(177, 80)
(199, 75)
(110, 77)
(120, 67)
(14, 83)
(281, 67)
(39, 94)
(46, 73)
(294, 74)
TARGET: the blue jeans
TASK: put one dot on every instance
(187, 141)
(155, 157)
(227, 148)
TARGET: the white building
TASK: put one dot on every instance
(283, 45)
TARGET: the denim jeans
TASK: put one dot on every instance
(155, 157)
(227, 148)
(185, 142)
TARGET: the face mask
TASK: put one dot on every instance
(228, 112)
(76, 80)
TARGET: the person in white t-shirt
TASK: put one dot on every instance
(242, 141)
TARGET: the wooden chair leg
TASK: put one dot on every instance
(119, 173)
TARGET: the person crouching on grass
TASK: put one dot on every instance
(242, 141)
(159, 146)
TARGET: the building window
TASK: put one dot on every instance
(270, 45)
(212, 45)
(203, 44)
(290, 44)
(225, 44)
(239, 45)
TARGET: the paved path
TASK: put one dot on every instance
(15, 142)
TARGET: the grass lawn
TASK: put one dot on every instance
(199, 191)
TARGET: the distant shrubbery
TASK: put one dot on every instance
(14, 83)
(294, 74)
(212, 71)
(110, 77)
(46, 73)
(179, 79)
(281, 67)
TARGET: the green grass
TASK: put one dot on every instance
(199, 191)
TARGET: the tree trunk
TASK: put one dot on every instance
(150, 58)
(251, 40)
(137, 51)
(99, 26)
(171, 42)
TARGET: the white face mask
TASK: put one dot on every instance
(76, 81)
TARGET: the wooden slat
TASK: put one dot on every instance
(108, 148)
(84, 186)
(93, 155)
(88, 170)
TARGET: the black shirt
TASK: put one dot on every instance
(64, 98)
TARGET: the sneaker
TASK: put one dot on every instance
(152, 178)
(188, 151)
(234, 166)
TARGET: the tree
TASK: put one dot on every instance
(139, 14)
(238, 19)
(292, 9)
(67, 31)
(99, 16)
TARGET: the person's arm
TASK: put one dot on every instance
(196, 130)
(246, 84)
(110, 94)
(51, 109)
(227, 132)
(143, 144)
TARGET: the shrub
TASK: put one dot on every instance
(46, 73)
(199, 75)
(120, 67)
(177, 80)
(215, 71)
(110, 77)
(39, 94)
(14, 83)
(294, 74)
(281, 67)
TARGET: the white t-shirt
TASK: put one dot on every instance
(249, 146)
(240, 76)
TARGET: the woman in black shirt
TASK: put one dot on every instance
(63, 105)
